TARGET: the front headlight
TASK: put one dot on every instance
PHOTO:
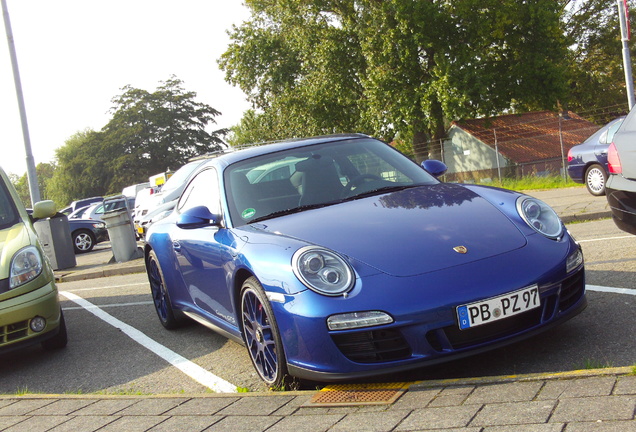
(574, 261)
(322, 271)
(25, 266)
(540, 216)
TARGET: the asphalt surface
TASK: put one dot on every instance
(579, 401)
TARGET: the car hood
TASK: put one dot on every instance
(12, 240)
(409, 232)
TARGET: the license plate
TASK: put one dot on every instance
(496, 308)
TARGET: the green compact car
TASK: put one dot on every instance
(30, 310)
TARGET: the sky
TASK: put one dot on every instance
(75, 56)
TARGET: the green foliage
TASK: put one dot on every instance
(596, 74)
(589, 364)
(150, 132)
(298, 68)
(394, 67)
(44, 173)
(534, 183)
(82, 168)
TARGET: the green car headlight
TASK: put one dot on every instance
(25, 266)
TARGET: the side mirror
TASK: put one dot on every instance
(434, 167)
(198, 217)
(43, 210)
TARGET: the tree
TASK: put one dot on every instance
(151, 132)
(147, 134)
(299, 67)
(44, 172)
(82, 168)
(395, 67)
(596, 74)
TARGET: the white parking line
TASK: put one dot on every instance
(610, 289)
(108, 287)
(142, 303)
(193, 370)
(606, 239)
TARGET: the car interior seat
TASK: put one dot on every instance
(320, 180)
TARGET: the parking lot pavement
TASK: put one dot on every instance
(592, 400)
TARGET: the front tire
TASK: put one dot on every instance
(261, 334)
(595, 179)
(163, 306)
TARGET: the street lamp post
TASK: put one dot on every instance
(34, 188)
(627, 63)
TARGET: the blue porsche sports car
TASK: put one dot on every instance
(337, 257)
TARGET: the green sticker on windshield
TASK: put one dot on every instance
(248, 213)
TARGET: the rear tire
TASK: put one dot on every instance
(595, 179)
(160, 297)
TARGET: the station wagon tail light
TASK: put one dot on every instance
(25, 266)
(613, 161)
(540, 216)
(322, 270)
(354, 320)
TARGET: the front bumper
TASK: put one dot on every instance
(425, 330)
(102, 235)
(16, 314)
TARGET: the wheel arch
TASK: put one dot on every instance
(82, 230)
(239, 279)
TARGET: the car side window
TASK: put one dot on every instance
(8, 213)
(611, 132)
(203, 190)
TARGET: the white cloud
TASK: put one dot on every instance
(74, 56)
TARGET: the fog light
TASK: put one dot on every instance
(574, 261)
(354, 320)
(38, 324)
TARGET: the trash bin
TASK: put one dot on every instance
(120, 229)
(55, 237)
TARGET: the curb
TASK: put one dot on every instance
(137, 266)
(542, 376)
(414, 386)
(586, 217)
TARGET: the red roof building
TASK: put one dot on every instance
(519, 144)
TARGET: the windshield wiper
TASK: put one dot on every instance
(293, 210)
(380, 190)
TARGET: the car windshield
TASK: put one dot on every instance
(8, 212)
(315, 176)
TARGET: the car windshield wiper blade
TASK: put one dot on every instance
(293, 210)
(380, 190)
